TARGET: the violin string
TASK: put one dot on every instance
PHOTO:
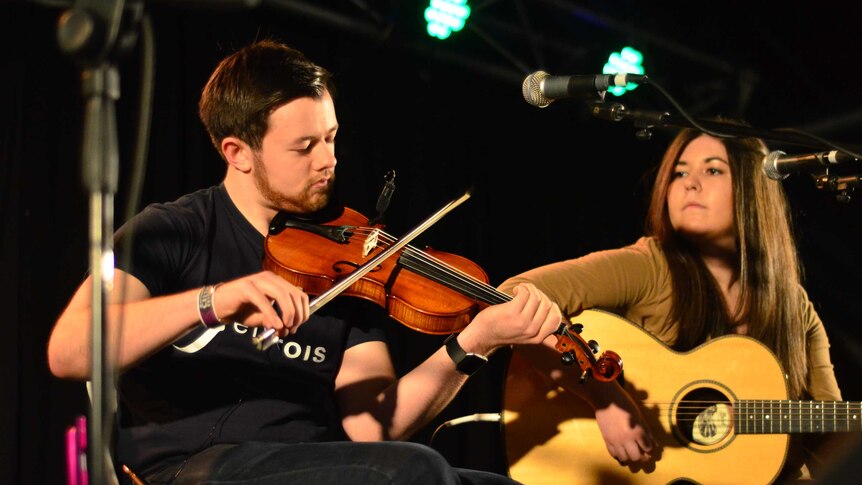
(470, 286)
(480, 290)
(463, 281)
(443, 273)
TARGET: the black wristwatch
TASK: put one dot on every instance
(466, 362)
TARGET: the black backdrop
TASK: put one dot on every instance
(548, 185)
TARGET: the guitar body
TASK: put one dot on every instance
(551, 436)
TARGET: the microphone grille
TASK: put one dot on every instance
(532, 89)
(770, 165)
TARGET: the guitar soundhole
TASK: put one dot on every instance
(703, 417)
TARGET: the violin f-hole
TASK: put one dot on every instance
(338, 266)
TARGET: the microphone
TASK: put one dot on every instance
(777, 165)
(541, 89)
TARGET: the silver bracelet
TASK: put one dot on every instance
(209, 319)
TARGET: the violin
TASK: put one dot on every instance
(427, 290)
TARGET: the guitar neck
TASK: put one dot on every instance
(758, 416)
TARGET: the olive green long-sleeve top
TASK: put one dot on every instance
(635, 282)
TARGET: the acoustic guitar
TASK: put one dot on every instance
(720, 413)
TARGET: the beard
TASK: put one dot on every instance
(308, 200)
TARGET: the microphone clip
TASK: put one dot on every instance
(843, 185)
(644, 121)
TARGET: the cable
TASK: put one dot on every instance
(683, 112)
(471, 418)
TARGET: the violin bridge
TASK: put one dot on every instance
(370, 242)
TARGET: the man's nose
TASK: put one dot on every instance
(326, 156)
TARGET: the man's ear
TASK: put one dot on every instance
(237, 153)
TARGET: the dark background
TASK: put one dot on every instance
(548, 184)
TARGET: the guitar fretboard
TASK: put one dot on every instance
(760, 416)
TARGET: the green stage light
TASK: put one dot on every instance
(446, 16)
(628, 60)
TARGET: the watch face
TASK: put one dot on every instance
(464, 362)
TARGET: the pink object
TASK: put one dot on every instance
(76, 453)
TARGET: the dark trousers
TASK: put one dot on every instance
(378, 463)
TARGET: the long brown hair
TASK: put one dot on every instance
(771, 299)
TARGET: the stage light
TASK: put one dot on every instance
(628, 60)
(445, 17)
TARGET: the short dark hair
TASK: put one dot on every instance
(248, 85)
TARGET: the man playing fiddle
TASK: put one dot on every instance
(197, 400)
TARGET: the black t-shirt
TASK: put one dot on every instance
(213, 386)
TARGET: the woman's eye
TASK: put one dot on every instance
(677, 175)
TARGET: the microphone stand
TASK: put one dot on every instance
(646, 121)
(95, 33)
(844, 185)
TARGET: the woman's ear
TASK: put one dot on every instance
(237, 153)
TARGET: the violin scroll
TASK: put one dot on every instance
(573, 348)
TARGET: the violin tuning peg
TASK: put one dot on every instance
(594, 346)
